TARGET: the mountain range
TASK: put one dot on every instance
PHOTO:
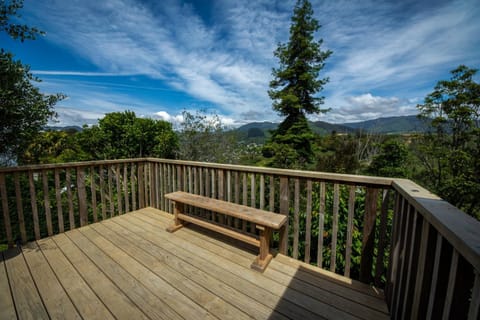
(387, 125)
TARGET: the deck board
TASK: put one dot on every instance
(129, 267)
(57, 303)
(7, 307)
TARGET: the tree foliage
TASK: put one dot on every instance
(9, 9)
(24, 110)
(53, 147)
(450, 152)
(203, 137)
(124, 135)
(293, 88)
(391, 161)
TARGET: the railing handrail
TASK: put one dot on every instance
(41, 167)
(324, 176)
(458, 228)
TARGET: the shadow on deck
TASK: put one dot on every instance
(129, 267)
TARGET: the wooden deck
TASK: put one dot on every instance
(129, 267)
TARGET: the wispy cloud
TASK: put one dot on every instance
(384, 52)
(77, 73)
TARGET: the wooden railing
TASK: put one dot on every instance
(317, 204)
(43, 200)
(434, 264)
(387, 232)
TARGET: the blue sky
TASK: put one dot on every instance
(159, 58)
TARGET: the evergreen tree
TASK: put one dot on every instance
(293, 88)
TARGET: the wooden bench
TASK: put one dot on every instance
(264, 221)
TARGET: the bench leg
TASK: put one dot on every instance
(263, 259)
(177, 223)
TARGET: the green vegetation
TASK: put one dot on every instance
(450, 153)
(293, 88)
(24, 110)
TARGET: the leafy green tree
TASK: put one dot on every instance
(10, 9)
(391, 161)
(204, 137)
(337, 153)
(293, 90)
(53, 147)
(450, 152)
(123, 135)
(24, 110)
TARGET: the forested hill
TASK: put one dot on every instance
(402, 124)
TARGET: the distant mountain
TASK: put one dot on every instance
(401, 124)
(319, 127)
(322, 127)
(66, 128)
(264, 126)
(259, 131)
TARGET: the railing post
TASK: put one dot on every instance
(368, 242)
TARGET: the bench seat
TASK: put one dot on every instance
(266, 222)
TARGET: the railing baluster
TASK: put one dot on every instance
(245, 198)
(157, 180)
(399, 218)
(271, 202)
(71, 216)
(474, 308)
(382, 241)
(451, 285)
(262, 192)
(221, 193)
(141, 186)
(214, 192)
(125, 188)
(6, 212)
(321, 221)
(82, 197)
(308, 221)
(162, 184)
(296, 218)
(404, 254)
(413, 252)
(93, 191)
(237, 197)
(423, 272)
(348, 247)
(200, 181)
(169, 188)
(333, 256)
(253, 202)
(441, 270)
(284, 209)
(33, 201)
(19, 202)
(118, 184)
(368, 241)
(46, 203)
(101, 173)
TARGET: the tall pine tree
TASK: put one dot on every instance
(293, 88)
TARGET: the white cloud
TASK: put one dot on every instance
(367, 106)
(76, 73)
(392, 50)
(75, 117)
